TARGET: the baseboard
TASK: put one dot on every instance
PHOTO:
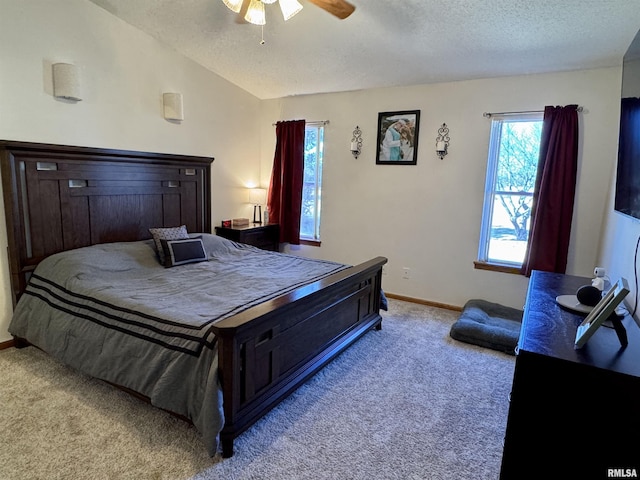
(424, 302)
(7, 344)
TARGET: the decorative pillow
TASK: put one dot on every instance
(171, 233)
(179, 252)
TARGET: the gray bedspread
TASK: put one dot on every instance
(113, 312)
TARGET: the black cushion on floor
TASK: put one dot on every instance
(489, 325)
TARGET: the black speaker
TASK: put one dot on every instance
(588, 295)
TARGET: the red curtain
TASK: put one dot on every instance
(554, 193)
(284, 198)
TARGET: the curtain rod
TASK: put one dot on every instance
(315, 122)
(491, 114)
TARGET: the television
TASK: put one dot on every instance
(627, 198)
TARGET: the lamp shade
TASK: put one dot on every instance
(257, 196)
(255, 13)
(289, 8)
(172, 103)
(66, 81)
(234, 5)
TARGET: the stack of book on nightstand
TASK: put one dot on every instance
(240, 222)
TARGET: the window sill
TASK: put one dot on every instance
(311, 243)
(497, 267)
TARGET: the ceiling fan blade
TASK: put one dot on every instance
(340, 8)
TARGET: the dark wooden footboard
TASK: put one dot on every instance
(266, 352)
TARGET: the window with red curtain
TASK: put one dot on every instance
(512, 163)
(554, 194)
(284, 196)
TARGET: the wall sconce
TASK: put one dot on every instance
(257, 196)
(356, 142)
(66, 82)
(172, 103)
(442, 141)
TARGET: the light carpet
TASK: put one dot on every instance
(405, 402)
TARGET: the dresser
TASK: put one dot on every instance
(266, 237)
(573, 414)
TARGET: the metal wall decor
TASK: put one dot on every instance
(356, 142)
(442, 141)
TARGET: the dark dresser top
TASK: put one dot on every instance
(549, 329)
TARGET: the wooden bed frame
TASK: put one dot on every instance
(62, 197)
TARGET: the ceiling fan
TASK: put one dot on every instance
(339, 8)
(252, 11)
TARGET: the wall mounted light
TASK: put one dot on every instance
(442, 141)
(66, 82)
(172, 103)
(257, 196)
(356, 142)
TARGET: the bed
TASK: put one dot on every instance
(73, 212)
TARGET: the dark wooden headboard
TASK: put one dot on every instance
(60, 197)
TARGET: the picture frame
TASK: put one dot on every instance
(398, 137)
(601, 312)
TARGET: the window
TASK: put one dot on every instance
(511, 174)
(312, 182)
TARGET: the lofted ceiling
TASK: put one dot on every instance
(388, 43)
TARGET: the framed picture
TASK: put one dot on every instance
(398, 138)
(601, 312)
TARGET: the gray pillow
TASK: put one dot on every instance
(170, 233)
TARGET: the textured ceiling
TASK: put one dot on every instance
(388, 43)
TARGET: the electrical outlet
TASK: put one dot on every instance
(406, 273)
(384, 269)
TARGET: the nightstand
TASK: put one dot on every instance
(266, 237)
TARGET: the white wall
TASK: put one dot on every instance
(621, 237)
(427, 217)
(124, 74)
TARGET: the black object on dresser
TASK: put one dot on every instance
(266, 237)
(573, 413)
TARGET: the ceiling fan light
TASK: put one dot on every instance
(268, 2)
(289, 8)
(255, 13)
(233, 5)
